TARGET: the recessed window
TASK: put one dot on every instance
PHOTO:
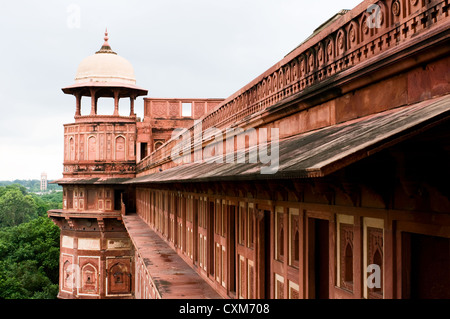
(186, 109)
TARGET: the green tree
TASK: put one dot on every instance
(16, 207)
(29, 260)
(29, 244)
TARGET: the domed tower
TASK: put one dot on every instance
(96, 258)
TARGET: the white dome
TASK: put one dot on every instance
(105, 67)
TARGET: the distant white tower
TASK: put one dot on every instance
(43, 182)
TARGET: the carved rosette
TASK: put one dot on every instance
(311, 61)
(303, 70)
(280, 79)
(320, 54)
(340, 42)
(330, 48)
(396, 8)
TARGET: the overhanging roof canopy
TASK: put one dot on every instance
(83, 88)
(321, 152)
(90, 181)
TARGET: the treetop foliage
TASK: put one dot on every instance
(29, 244)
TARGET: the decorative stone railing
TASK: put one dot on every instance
(354, 38)
(104, 118)
(92, 167)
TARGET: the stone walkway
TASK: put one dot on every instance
(172, 276)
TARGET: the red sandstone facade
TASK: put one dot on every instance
(362, 115)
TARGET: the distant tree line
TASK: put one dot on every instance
(32, 185)
(29, 244)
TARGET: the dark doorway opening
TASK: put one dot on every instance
(426, 266)
(117, 199)
(144, 150)
(70, 199)
(92, 199)
(318, 258)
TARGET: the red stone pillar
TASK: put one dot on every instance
(93, 102)
(132, 105)
(78, 104)
(116, 102)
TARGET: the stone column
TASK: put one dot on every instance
(116, 102)
(78, 96)
(93, 102)
(132, 105)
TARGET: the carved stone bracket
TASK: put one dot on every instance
(101, 224)
(71, 223)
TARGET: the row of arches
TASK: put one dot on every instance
(92, 153)
(86, 280)
(106, 106)
(366, 26)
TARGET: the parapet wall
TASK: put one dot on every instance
(369, 45)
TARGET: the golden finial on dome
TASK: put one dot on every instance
(106, 48)
(106, 38)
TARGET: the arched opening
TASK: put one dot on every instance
(92, 148)
(348, 264)
(85, 105)
(378, 260)
(120, 148)
(105, 106)
(124, 107)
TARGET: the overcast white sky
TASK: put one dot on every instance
(179, 48)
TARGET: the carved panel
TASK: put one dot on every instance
(174, 109)
(279, 287)
(159, 109)
(294, 238)
(375, 256)
(346, 256)
(251, 280)
(293, 290)
(279, 231)
(119, 276)
(89, 275)
(68, 273)
(242, 277)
